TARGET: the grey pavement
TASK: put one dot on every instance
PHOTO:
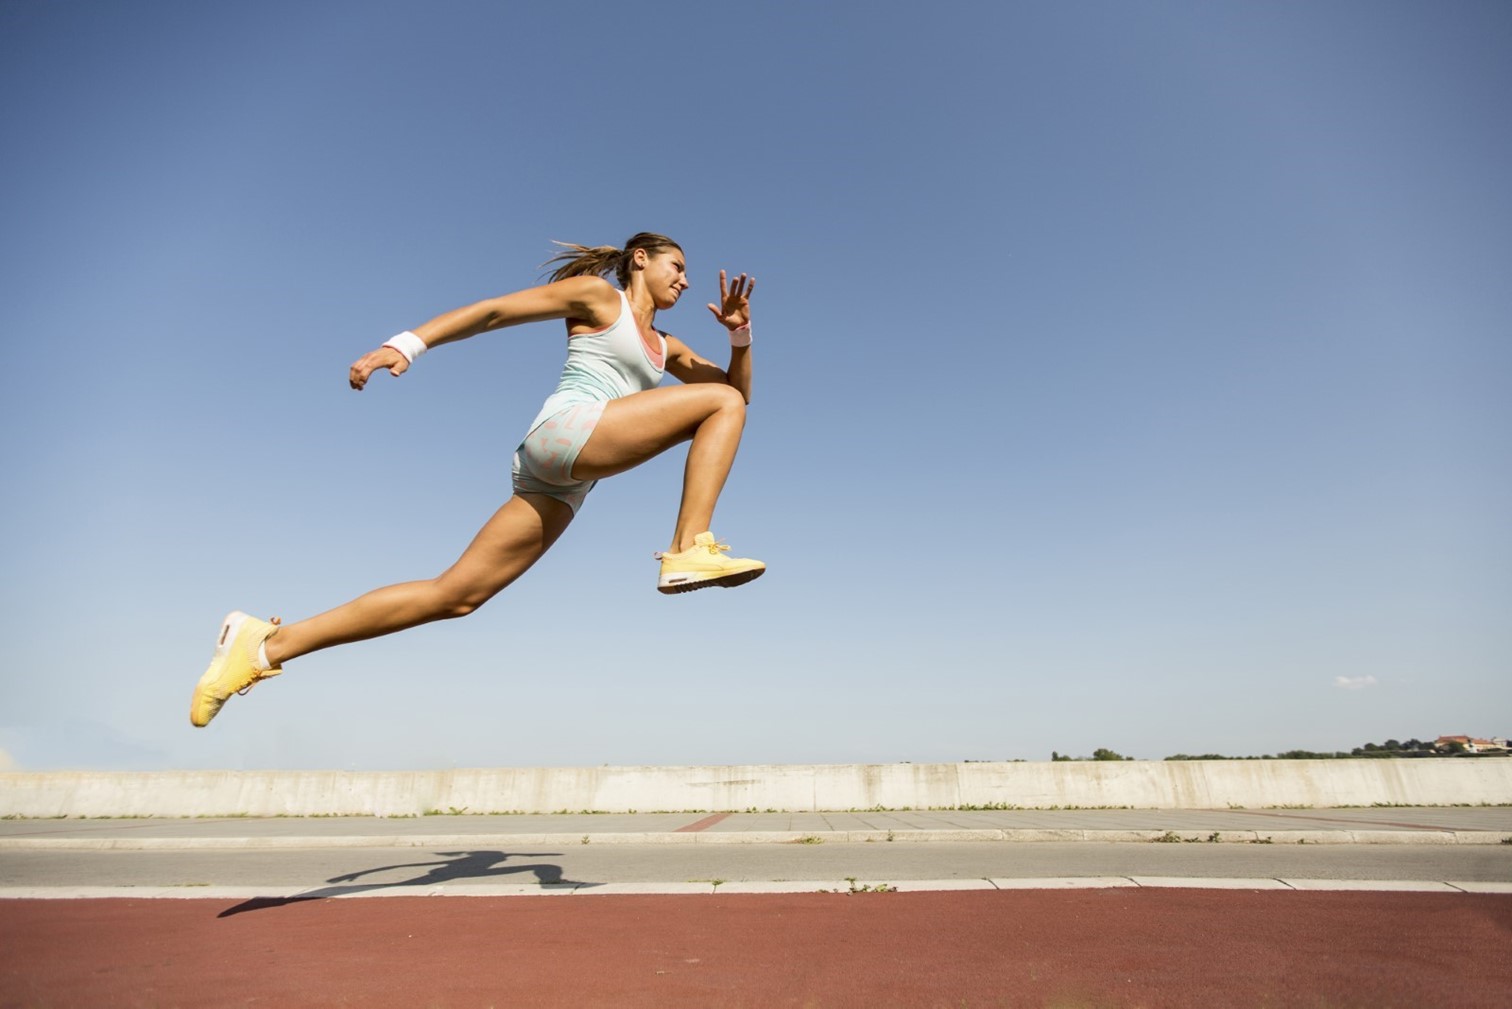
(1448, 849)
(1349, 825)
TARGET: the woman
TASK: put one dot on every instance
(608, 414)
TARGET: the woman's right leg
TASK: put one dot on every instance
(505, 548)
(639, 427)
(514, 539)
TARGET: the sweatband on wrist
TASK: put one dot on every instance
(408, 344)
(741, 337)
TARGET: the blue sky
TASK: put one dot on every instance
(1128, 375)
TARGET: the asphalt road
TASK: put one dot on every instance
(381, 867)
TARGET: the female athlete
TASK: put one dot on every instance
(608, 414)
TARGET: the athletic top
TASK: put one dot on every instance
(606, 364)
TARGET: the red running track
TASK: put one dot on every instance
(1067, 949)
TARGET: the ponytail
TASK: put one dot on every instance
(602, 260)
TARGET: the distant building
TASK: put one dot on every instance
(1471, 744)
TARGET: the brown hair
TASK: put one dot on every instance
(601, 260)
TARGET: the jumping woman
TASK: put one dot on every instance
(608, 414)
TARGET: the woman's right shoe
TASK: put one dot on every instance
(704, 565)
(234, 668)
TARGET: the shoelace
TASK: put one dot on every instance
(714, 548)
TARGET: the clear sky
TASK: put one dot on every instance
(1129, 375)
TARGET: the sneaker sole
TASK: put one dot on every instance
(728, 581)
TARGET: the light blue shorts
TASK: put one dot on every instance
(543, 461)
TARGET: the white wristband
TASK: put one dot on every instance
(741, 337)
(408, 344)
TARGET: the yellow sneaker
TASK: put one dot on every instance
(233, 670)
(704, 565)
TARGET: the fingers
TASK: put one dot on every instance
(739, 291)
(383, 357)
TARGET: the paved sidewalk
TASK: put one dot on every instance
(1373, 825)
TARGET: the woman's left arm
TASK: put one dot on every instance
(734, 313)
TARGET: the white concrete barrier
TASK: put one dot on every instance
(1196, 784)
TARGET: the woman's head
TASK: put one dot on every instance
(602, 260)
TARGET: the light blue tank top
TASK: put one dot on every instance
(605, 365)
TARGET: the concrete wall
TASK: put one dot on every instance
(1214, 784)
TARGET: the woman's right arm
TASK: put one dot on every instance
(591, 299)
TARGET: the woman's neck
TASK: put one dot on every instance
(641, 305)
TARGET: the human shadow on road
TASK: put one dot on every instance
(455, 865)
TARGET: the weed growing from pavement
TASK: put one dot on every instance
(809, 839)
(60, 816)
(1171, 837)
(865, 887)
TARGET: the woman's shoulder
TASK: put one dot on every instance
(590, 299)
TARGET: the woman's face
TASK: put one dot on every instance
(666, 276)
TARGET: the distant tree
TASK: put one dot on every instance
(1391, 744)
(1103, 753)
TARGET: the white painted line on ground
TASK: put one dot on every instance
(1062, 883)
(1483, 887)
(1406, 885)
(773, 886)
(619, 889)
(1210, 884)
(947, 884)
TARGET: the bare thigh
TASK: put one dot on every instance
(505, 548)
(639, 427)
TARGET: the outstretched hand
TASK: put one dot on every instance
(734, 308)
(384, 357)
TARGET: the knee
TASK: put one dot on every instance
(728, 399)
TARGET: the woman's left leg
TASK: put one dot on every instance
(638, 427)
